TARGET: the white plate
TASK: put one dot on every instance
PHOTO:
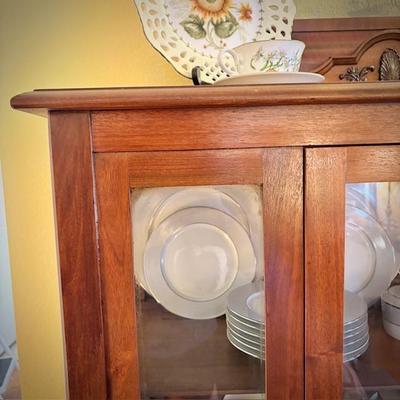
(268, 78)
(392, 329)
(356, 336)
(191, 33)
(355, 308)
(253, 294)
(362, 195)
(347, 357)
(392, 296)
(151, 206)
(198, 197)
(245, 339)
(194, 258)
(254, 337)
(355, 344)
(250, 350)
(247, 329)
(243, 323)
(370, 263)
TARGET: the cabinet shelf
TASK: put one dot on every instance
(379, 367)
(184, 358)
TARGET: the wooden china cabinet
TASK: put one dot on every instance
(300, 144)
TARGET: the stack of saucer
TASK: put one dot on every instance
(355, 332)
(245, 319)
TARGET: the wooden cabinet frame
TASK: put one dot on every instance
(292, 139)
(117, 174)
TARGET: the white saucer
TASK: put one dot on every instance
(194, 258)
(267, 78)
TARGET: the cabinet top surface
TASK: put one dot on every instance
(41, 101)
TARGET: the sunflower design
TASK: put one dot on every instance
(212, 9)
(245, 12)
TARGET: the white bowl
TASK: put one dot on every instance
(392, 329)
(392, 296)
(390, 313)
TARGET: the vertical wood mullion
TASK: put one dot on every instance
(116, 265)
(284, 272)
(324, 273)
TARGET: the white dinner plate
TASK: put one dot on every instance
(249, 330)
(370, 263)
(245, 339)
(243, 323)
(347, 357)
(194, 258)
(354, 307)
(247, 302)
(198, 197)
(255, 337)
(150, 206)
(250, 350)
(268, 78)
(364, 196)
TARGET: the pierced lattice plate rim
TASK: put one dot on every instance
(191, 33)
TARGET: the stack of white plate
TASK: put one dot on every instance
(245, 319)
(355, 332)
(245, 322)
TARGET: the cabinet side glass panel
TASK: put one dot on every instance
(371, 341)
(199, 274)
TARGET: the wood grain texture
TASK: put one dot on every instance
(277, 126)
(324, 258)
(205, 97)
(343, 42)
(149, 169)
(373, 164)
(77, 251)
(284, 272)
(117, 279)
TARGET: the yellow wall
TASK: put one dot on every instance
(59, 43)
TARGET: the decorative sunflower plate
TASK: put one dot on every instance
(190, 33)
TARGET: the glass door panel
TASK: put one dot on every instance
(371, 334)
(200, 304)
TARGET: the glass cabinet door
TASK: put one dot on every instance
(371, 337)
(200, 299)
(202, 273)
(354, 267)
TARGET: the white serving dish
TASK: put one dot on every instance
(392, 296)
(390, 313)
(391, 329)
